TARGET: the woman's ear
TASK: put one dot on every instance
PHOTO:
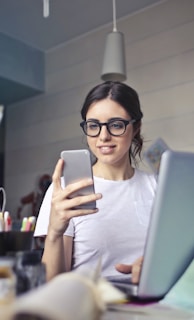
(136, 128)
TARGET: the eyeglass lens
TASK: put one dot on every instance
(116, 127)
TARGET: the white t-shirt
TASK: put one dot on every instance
(117, 232)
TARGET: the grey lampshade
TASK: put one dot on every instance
(1, 112)
(114, 65)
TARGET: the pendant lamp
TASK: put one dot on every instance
(114, 65)
(45, 8)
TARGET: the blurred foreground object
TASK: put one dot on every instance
(68, 296)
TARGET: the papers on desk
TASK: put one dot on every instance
(68, 296)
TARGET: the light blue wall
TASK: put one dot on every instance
(22, 70)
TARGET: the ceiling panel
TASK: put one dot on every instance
(68, 19)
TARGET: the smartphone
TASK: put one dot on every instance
(78, 166)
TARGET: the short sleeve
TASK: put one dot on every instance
(70, 229)
(44, 214)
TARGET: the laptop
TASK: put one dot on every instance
(169, 247)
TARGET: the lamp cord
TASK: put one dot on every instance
(114, 16)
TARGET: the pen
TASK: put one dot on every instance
(1, 222)
(24, 222)
(32, 220)
(28, 224)
(7, 221)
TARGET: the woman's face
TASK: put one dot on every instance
(109, 149)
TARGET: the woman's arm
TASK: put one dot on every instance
(57, 255)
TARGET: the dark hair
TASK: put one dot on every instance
(128, 98)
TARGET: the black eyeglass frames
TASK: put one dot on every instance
(115, 127)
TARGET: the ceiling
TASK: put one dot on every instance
(68, 19)
(23, 20)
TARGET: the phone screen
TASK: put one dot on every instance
(78, 166)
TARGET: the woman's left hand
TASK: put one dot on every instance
(133, 268)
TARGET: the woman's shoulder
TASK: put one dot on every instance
(143, 173)
(147, 177)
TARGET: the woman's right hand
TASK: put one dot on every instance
(62, 207)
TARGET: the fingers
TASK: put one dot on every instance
(123, 268)
(73, 187)
(134, 269)
(81, 201)
(62, 210)
(56, 178)
(67, 205)
(73, 193)
(79, 212)
(66, 197)
(64, 201)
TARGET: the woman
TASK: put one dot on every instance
(116, 231)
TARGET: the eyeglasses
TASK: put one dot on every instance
(115, 127)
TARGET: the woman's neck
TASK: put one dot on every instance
(113, 172)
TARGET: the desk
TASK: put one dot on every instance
(156, 311)
(5, 314)
(113, 315)
(118, 315)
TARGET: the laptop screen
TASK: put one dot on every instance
(169, 247)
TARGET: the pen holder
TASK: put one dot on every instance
(14, 241)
